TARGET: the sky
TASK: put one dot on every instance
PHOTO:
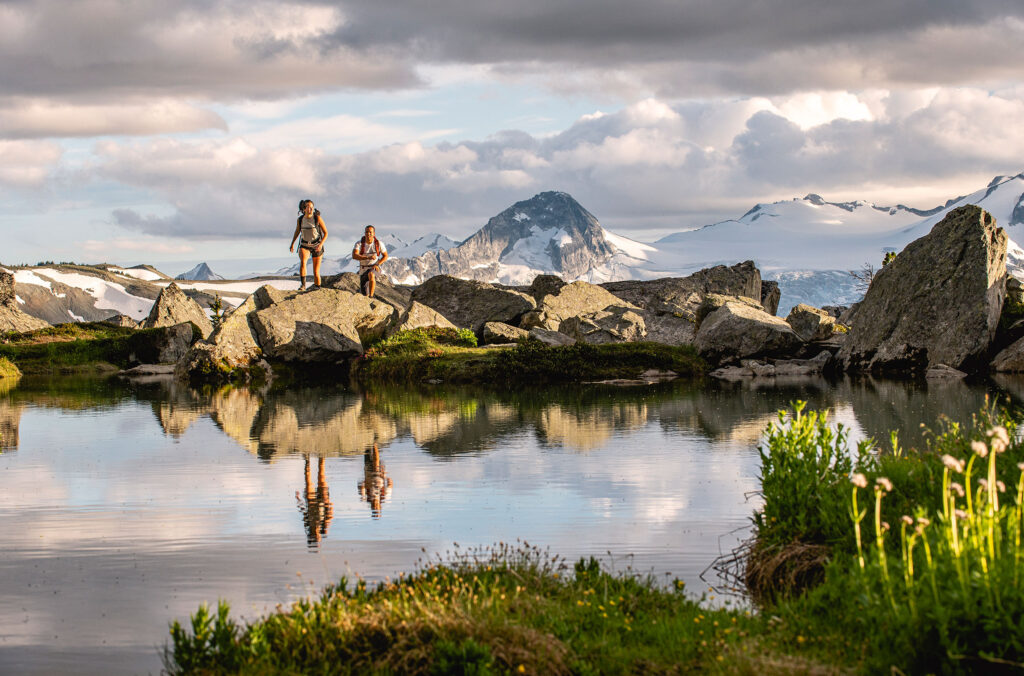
(138, 131)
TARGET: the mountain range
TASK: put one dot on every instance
(808, 245)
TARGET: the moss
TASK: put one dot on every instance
(8, 369)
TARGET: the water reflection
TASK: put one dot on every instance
(375, 484)
(315, 504)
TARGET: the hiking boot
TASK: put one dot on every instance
(314, 287)
(302, 287)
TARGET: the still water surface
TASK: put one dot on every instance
(126, 504)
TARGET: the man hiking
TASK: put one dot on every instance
(371, 253)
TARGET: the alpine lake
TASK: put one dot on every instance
(127, 503)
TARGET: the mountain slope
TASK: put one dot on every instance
(201, 272)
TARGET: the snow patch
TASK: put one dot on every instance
(76, 317)
(19, 299)
(520, 217)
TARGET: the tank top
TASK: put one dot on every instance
(310, 230)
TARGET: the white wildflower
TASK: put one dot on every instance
(983, 483)
(1001, 487)
(861, 481)
(923, 521)
(884, 483)
(999, 432)
(885, 525)
(907, 520)
(954, 464)
(960, 514)
(957, 488)
(979, 448)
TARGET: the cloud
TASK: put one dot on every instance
(649, 165)
(27, 164)
(145, 244)
(34, 118)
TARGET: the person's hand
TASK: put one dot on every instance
(291, 248)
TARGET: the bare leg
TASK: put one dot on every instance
(316, 269)
(303, 255)
(372, 285)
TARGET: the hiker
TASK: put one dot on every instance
(371, 253)
(314, 233)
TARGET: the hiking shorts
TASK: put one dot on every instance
(315, 249)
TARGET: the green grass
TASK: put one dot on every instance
(75, 347)
(451, 356)
(504, 610)
(8, 369)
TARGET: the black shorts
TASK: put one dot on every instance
(315, 249)
(364, 276)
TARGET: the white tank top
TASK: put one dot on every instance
(310, 230)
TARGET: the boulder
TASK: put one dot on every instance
(770, 296)
(682, 295)
(736, 331)
(551, 338)
(810, 323)
(496, 333)
(544, 285)
(713, 301)
(174, 343)
(1010, 360)
(172, 307)
(232, 345)
(324, 325)
(669, 329)
(268, 295)
(417, 316)
(398, 296)
(11, 316)
(469, 304)
(803, 367)
(571, 300)
(615, 324)
(943, 372)
(120, 320)
(937, 302)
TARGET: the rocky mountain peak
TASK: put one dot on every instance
(201, 272)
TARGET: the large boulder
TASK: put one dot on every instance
(551, 338)
(713, 301)
(231, 346)
(571, 300)
(174, 343)
(615, 324)
(1011, 359)
(172, 307)
(737, 331)
(324, 325)
(544, 285)
(770, 296)
(937, 302)
(398, 296)
(11, 316)
(419, 316)
(496, 333)
(469, 304)
(810, 323)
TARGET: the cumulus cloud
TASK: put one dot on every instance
(35, 118)
(648, 166)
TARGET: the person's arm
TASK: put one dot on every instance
(298, 229)
(383, 257)
(323, 229)
(355, 253)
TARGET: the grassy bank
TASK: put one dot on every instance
(866, 560)
(8, 369)
(80, 347)
(451, 356)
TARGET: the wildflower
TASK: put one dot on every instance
(923, 522)
(983, 483)
(957, 488)
(1020, 466)
(884, 483)
(861, 481)
(907, 521)
(885, 525)
(979, 448)
(999, 432)
(961, 514)
(954, 464)
(1000, 486)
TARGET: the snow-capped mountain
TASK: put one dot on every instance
(201, 272)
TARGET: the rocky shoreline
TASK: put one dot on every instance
(944, 307)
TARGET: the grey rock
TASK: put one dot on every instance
(121, 320)
(669, 329)
(737, 331)
(937, 302)
(11, 316)
(1011, 359)
(770, 296)
(268, 295)
(810, 323)
(6, 288)
(682, 296)
(469, 304)
(172, 307)
(232, 345)
(325, 325)
(614, 324)
(712, 301)
(398, 296)
(732, 373)
(419, 316)
(544, 285)
(943, 372)
(571, 300)
(551, 338)
(497, 333)
(174, 343)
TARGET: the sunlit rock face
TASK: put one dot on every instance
(937, 302)
(172, 307)
(11, 316)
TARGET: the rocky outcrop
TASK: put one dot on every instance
(713, 301)
(11, 316)
(174, 343)
(615, 324)
(682, 296)
(470, 304)
(1010, 360)
(320, 326)
(121, 320)
(810, 323)
(544, 285)
(551, 338)
(398, 296)
(570, 301)
(737, 331)
(937, 302)
(418, 316)
(231, 346)
(770, 296)
(172, 307)
(496, 333)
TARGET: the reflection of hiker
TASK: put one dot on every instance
(317, 511)
(371, 253)
(376, 483)
(314, 234)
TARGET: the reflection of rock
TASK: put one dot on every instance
(10, 421)
(178, 410)
(234, 410)
(428, 427)
(587, 429)
(306, 421)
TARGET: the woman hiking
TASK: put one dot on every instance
(314, 233)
